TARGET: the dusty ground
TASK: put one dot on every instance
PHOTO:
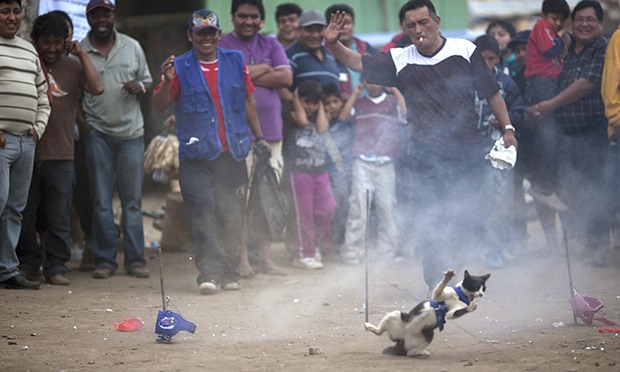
(273, 322)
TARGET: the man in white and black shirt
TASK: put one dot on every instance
(439, 78)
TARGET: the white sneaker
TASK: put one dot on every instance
(550, 200)
(309, 263)
(208, 288)
(232, 286)
(318, 256)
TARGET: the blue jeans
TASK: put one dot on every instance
(16, 160)
(585, 191)
(51, 188)
(116, 160)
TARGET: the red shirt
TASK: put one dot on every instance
(540, 40)
(210, 71)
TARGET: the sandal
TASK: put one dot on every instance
(246, 273)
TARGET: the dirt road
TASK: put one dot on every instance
(523, 323)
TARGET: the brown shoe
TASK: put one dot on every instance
(19, 282)
(28, 275)
(102, 272)
(58, 279)
(139, 271)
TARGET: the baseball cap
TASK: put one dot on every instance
(311, 17)
(203, 18)
(93, 4)
(520, 38)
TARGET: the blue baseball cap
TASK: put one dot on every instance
(203, 18)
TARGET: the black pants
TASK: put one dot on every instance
(213, 194)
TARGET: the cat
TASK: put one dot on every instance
(414, 331)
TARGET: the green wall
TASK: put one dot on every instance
(370, 15)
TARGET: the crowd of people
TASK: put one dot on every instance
(352, 133)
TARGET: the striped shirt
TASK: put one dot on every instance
(306, 66)
(23, 89)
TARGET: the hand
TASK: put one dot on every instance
(494, 123)
(33, 133)
(392, 90)
(359, 88)
(2, 140)
(510, 139)
(567, 42)
(540, 110)
(133, 87)
(74, 47)
(263, 142)
(296, 93)
(167, 69)
(335, 27)
(615, 136)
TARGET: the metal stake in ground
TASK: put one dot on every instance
(161, 279)
(570, 275)
(366, 253)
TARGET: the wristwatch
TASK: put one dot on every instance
(510, 127)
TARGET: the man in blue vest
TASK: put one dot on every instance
(215, 111)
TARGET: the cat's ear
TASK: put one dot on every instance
(467, 274)
(485, 277)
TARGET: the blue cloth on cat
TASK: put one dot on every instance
(440, 311)
(462, 295)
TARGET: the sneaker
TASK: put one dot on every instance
(550, 200)
(351, 259)
(58, 279)
(309, 263)
(232, 286)
(138, 270)
(393, 258)
(210, 287)
(102, 272)
(318, 256)
(19, 282)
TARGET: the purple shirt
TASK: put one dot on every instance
(262, 49)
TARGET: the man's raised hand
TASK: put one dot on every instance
(335, 27)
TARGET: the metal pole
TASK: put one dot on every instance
(366, 253)
(161, 279)
(570, 275)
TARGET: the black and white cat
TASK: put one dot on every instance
(414, 331)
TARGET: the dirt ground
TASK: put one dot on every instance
(310, 321)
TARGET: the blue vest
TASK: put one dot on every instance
(196, 116)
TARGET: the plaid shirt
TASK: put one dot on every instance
(589, 112)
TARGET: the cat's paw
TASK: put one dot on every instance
(370, 327)
(449, 274)
(472, 306)
(423, 354)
